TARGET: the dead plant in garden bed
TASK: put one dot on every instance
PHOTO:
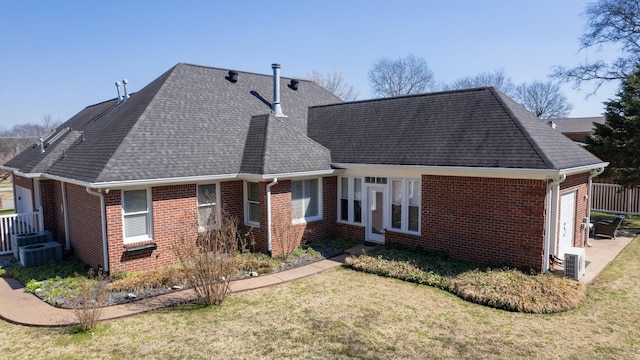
(506, 289)
(90, 299)
(210, 262)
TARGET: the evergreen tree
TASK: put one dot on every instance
(618, 139)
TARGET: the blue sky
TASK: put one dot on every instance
(56, 57)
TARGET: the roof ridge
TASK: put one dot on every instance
(427, 94)
(245, 72)
(123, 143)
(527, 134)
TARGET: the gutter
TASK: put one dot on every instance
(492, 172)
(269, 185)
(551, 228)
(593, 174)
(103, 215)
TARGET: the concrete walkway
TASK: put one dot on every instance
(20, 307)
(601, 253)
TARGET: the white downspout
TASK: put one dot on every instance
(269, 185)
(551, 231)
(594, 173)
(103, 215)
(65, 216)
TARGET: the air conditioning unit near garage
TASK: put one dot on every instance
(574, 263)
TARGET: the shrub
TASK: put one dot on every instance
(506, 289)
(151, 279)
(92, 296)
(210, 261)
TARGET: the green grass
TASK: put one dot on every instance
(345, 314)
(6, 212)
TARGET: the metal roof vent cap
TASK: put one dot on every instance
(276, 107)
(232, 77)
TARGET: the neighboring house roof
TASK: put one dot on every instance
(577, 125)
(467, 128)
(188, 122)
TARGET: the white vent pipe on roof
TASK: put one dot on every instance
(124, 85)
(118, 87)
(276, 107)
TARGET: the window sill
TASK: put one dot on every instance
(350, 223)
(253, 225)
(141, 247)
(305, 221)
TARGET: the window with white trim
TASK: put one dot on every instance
(136, 215)
(252, 204)
(405, 205)
(305, 200)
(350, 207)
(396, 204)
(357, 200)
(207, 206)
(344, 199)
(413, 193)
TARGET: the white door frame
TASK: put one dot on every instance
(373, 233)
(567, 225)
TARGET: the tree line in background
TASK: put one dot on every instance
(611, 24)
(21, 136)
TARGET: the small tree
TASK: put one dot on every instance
(335, 83)
(618, 139)
(91, 298)
(209, 261)
(543, 99)
(403, 76)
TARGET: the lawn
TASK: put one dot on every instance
(348, 314)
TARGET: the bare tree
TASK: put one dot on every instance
(497, 79)
(402, 76)
(21, 136)
(613, 23)
(335, 83)
(543, 99)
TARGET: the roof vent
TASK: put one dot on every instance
(232, 77)
(552, 124)
(118, 87)
(293, 85)
(276, 107)
(124, 83)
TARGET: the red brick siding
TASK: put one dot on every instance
(286, 235)
(174, 212)
(348, 231)
(53, 213)
(85, 225)
(231, 199)
(482, 219)
(578, 183)
(23, 182)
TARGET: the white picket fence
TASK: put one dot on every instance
(612, 198)
(13, 224)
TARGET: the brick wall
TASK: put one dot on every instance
(348, 231)
(482, 219)
(174, 214)
(53, 213)
(23, 182)
(85, 225)
(285, 234)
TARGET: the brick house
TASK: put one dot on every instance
(468, 172)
